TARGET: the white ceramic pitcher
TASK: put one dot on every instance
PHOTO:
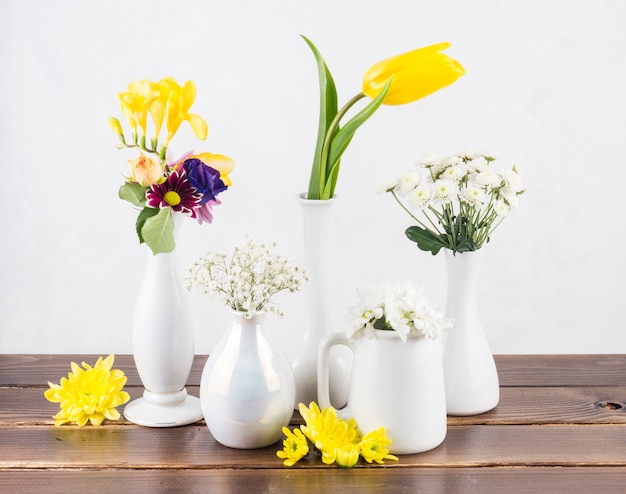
(397, 385)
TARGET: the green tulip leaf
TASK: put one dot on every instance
(344, 136)
(328, 110)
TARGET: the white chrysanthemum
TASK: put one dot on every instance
(510, 197)
(478, 164)
(454, 173)
(473, 195)
(428, 161)
(468, 154)
(389, 185)
(445, 190)
(369, 309)
(408, 182)
(451, 160)
(501, 208)
(486, 178)
(513, 180)
(420, 196)
(490, 155)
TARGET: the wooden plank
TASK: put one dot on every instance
(357, 481)
(581, 405)
(193, 447)
(561, 370)
(514, 370)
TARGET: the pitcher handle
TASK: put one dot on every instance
(323, 356)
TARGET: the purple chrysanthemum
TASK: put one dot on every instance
(204, 178)
(176, 192)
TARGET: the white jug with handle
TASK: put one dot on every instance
(395, 384)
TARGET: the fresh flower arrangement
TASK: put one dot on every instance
(336, 440)
(90, 395)
(396, 81)
(457, 201)
(402, 308)
(158, 185)
(248, 279)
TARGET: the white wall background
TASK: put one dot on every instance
(544, 87)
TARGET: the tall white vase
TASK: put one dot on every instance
(163, 349)
(247, 388)
(396, 385)
(317, 216)
(471, 377)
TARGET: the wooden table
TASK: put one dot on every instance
(560, 427)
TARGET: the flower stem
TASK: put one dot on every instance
(328, 138)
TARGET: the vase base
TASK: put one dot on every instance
(148, 414)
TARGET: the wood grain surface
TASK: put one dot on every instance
(560, 426)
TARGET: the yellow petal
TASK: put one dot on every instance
(415, 74)
(221, 163)
(198, 125)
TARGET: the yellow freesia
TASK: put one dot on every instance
(414, 74)
(115, 125)
(178, 105)
(136, 102)
(90, 394)
(295, 448)
(221, 163)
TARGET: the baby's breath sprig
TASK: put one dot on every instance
(248, 279)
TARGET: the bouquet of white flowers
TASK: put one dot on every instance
(457, 201)
(402, 308)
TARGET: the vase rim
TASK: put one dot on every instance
(392, 334)
(248, 314)
(302, 197)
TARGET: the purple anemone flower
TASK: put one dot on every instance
(176, 192)
(204, 178)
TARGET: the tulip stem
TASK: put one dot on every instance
(330, 132)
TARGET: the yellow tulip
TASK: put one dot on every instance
(219, 162)
(415, 74)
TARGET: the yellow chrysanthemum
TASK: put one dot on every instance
(374, 447)
(90, 394)
(326, 431)
(348, 455)
(295, 445)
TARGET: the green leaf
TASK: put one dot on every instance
(343, 137)
(133, 193)
(425, 239)
(466, 245)
(144, 214)
(158, 231)
(328, 110)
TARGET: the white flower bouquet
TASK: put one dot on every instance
(249, 279)
(402, 308)
(457, 201)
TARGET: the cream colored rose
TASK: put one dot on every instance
(145, 170)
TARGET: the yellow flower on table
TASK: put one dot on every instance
(295, 445)
(90, 394)
(326, 431)
(374, 447)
